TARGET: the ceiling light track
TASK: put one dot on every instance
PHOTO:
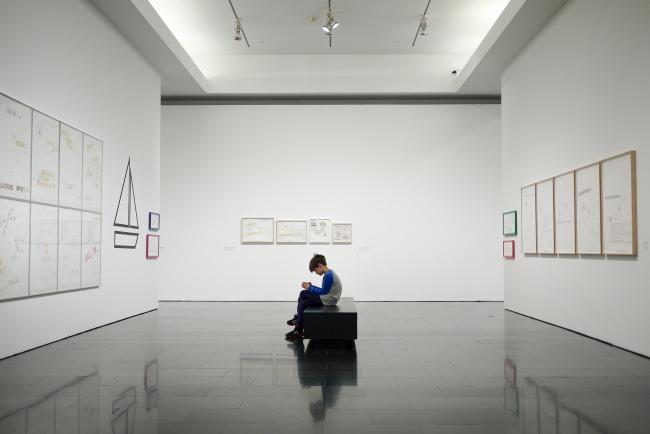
(331, 22)
(238, 28)
(423, 26)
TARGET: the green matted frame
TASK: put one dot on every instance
(507, 215)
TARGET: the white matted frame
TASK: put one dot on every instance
(588, 210)
(619, 204)
(291, 231)
(565, 214)
(319, 231)
(528, 220)
(341, 233)
(545, 215)
(257, 230)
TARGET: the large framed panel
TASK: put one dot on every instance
(14, 249)
(43, 263)
(45, 159)
(70, 172)
(528, 219)
(545, 217)
(565, 211)
(69, 275)
(92, 174)
(619, 205)
(15, 148)
(91, 249)
(256, 230)
(588, 212)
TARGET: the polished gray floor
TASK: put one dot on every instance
(417, 368)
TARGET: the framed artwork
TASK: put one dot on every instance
(153, 246)
(291, 231)
(618, 177)
(588, 225)
(545, 217)
(565, 215)
(342, 233)
(319, 231)
(154, 221)
(509, 249)
(528, 219)
(257, 230)
(510, 223)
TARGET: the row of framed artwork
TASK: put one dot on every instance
(268, 230)
(588, 211)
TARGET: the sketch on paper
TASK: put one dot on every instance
(92, 174)
(91, 246)
(528, 219)
(342, 233)
(588, 240)
(43, 250)
(545, 218)
(15, 148)
(69, 249)
(126, 215)
(154, 221)
(319, 231)
(291, 231)
(70, 170)
(565, 223)
(618, 206)
(509, 223)
(257, 230)
(509, 249)
(153, 246)
(14, 248)
(45, 159)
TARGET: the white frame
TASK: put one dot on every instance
(528, 220)
(341, 224)
(583, 221)
(545, 216)
(265, 238)
(565, 219)
(618, 202)
(301, 240)
(323, 240)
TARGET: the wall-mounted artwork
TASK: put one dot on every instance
(154, 221)
(257, 230)
(565, 221)
(342, 233)
(291, 231)
(126, 215)
(509, 223)
(545, 217)
(509, 249)
(50, 234)
(528, 219)
(619, 205)
(319, 231)
(153, 246)
(588, 229)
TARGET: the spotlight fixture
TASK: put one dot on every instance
(331, 24)
(424, 26)
(237, 35)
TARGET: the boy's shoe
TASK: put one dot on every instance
(294, 335)
(292, 322)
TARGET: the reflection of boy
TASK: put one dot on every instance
(312, 295)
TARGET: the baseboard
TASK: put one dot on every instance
(76, 334)
(581, 334)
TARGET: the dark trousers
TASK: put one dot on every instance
(306, 299)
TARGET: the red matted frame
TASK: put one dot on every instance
(510, 243)
(157, 250)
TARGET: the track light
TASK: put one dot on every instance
(331, 24)
(237, 29)
(424, 26)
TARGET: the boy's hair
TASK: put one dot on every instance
(317, 260)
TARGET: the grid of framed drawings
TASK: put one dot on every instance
(268, 230)
(588, 211)
(50, 204)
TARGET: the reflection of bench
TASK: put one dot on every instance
(331, 322)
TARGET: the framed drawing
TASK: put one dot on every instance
(509, 249)
(342, 233)
(291, 231)
(619, 215)
(319, 231)
(257, 230)
(565, 214)
(15, 148)
(154, 221)
(545, 217)
(528, 220)
(510, 223)
(588, 221)
(153, 246)
(45, 159)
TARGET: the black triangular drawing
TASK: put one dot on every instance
(126, 214)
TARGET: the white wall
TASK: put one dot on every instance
(64, 59)
(421, 184)
(578, 93)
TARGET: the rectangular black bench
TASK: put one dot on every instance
(331, 322)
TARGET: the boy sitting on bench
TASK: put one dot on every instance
(312, 295)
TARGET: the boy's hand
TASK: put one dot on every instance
(306, 285)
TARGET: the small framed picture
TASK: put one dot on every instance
(342, 233)
(257, 230)
(319, 231)
(509, 249)
(291, 231)
(154, 221)
(510, 223)
(153, 246)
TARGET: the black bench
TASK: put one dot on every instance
(331, 322)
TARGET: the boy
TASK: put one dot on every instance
(312, 295)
